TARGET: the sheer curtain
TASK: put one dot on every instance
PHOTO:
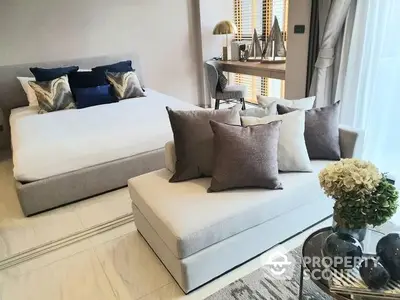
(371, 93)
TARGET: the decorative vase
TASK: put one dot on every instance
(374, 274)
(358, 234)
(388, 250)
(344, 250)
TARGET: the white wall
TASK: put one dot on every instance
(160, 32)
(297, 49)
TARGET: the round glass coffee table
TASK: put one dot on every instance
(312, 254)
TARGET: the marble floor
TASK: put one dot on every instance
(18, 233)
(117, 264)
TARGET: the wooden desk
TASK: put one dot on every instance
(276, 71)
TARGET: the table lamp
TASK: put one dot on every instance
(225, 27)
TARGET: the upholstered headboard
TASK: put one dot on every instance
(12, 95)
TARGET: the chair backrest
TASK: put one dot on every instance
(211, 67)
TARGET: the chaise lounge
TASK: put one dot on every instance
(199, 235)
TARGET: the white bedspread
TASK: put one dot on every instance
(59, 142)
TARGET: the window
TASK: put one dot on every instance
(259, 14)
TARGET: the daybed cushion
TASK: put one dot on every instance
(188, 219)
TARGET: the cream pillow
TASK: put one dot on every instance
(292, 150)
(304, 103)
(30, 93)
(170, 156)
(260, 112)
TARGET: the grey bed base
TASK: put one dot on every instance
(41, 195)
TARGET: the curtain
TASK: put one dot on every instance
(324, 76)
(313, 43)
(372, 84)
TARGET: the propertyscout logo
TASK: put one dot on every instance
(278, 263)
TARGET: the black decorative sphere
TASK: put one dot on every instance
(343, 249)
(374, 274)
(388, 250)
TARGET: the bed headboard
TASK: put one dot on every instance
(12, 95)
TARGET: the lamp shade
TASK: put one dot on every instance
(225, 27)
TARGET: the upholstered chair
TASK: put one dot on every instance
(230, 92)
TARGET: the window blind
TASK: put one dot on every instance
(259, 14)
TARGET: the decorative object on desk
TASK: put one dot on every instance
(225, 27)
(343, 249)
(235, 50)
(388, 250)
(255, 51)
(374, 274)
(242, 52)
(362, 195)
(274, 49)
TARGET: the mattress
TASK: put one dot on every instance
(59, 142)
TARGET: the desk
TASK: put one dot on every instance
(276, 71)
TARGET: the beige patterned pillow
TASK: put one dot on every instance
(53, 95)
(126, 85)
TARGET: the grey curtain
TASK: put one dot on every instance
(324, 79)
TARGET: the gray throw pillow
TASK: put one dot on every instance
(222, 81)
(321, 131)
(245, 156)
(193, 139)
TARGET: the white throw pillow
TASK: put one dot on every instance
(292, 150)
(304, 103)
(170, 156)
(30, 93)
(260, 112)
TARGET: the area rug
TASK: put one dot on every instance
(260, 286)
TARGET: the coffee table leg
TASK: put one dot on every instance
(301, 281)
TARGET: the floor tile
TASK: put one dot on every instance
(104, 207)
(131, 267)
(20, 234)
(77, 277)
(170, 291)
(9, 204)
(113, 234)
(45, 259)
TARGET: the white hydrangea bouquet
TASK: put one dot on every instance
(363, 196)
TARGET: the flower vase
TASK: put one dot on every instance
(357, 233)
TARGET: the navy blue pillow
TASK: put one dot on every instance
(50, 74)
(122, 66)
(98, 95)
(86, 79)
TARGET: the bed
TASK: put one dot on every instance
(70, 155)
